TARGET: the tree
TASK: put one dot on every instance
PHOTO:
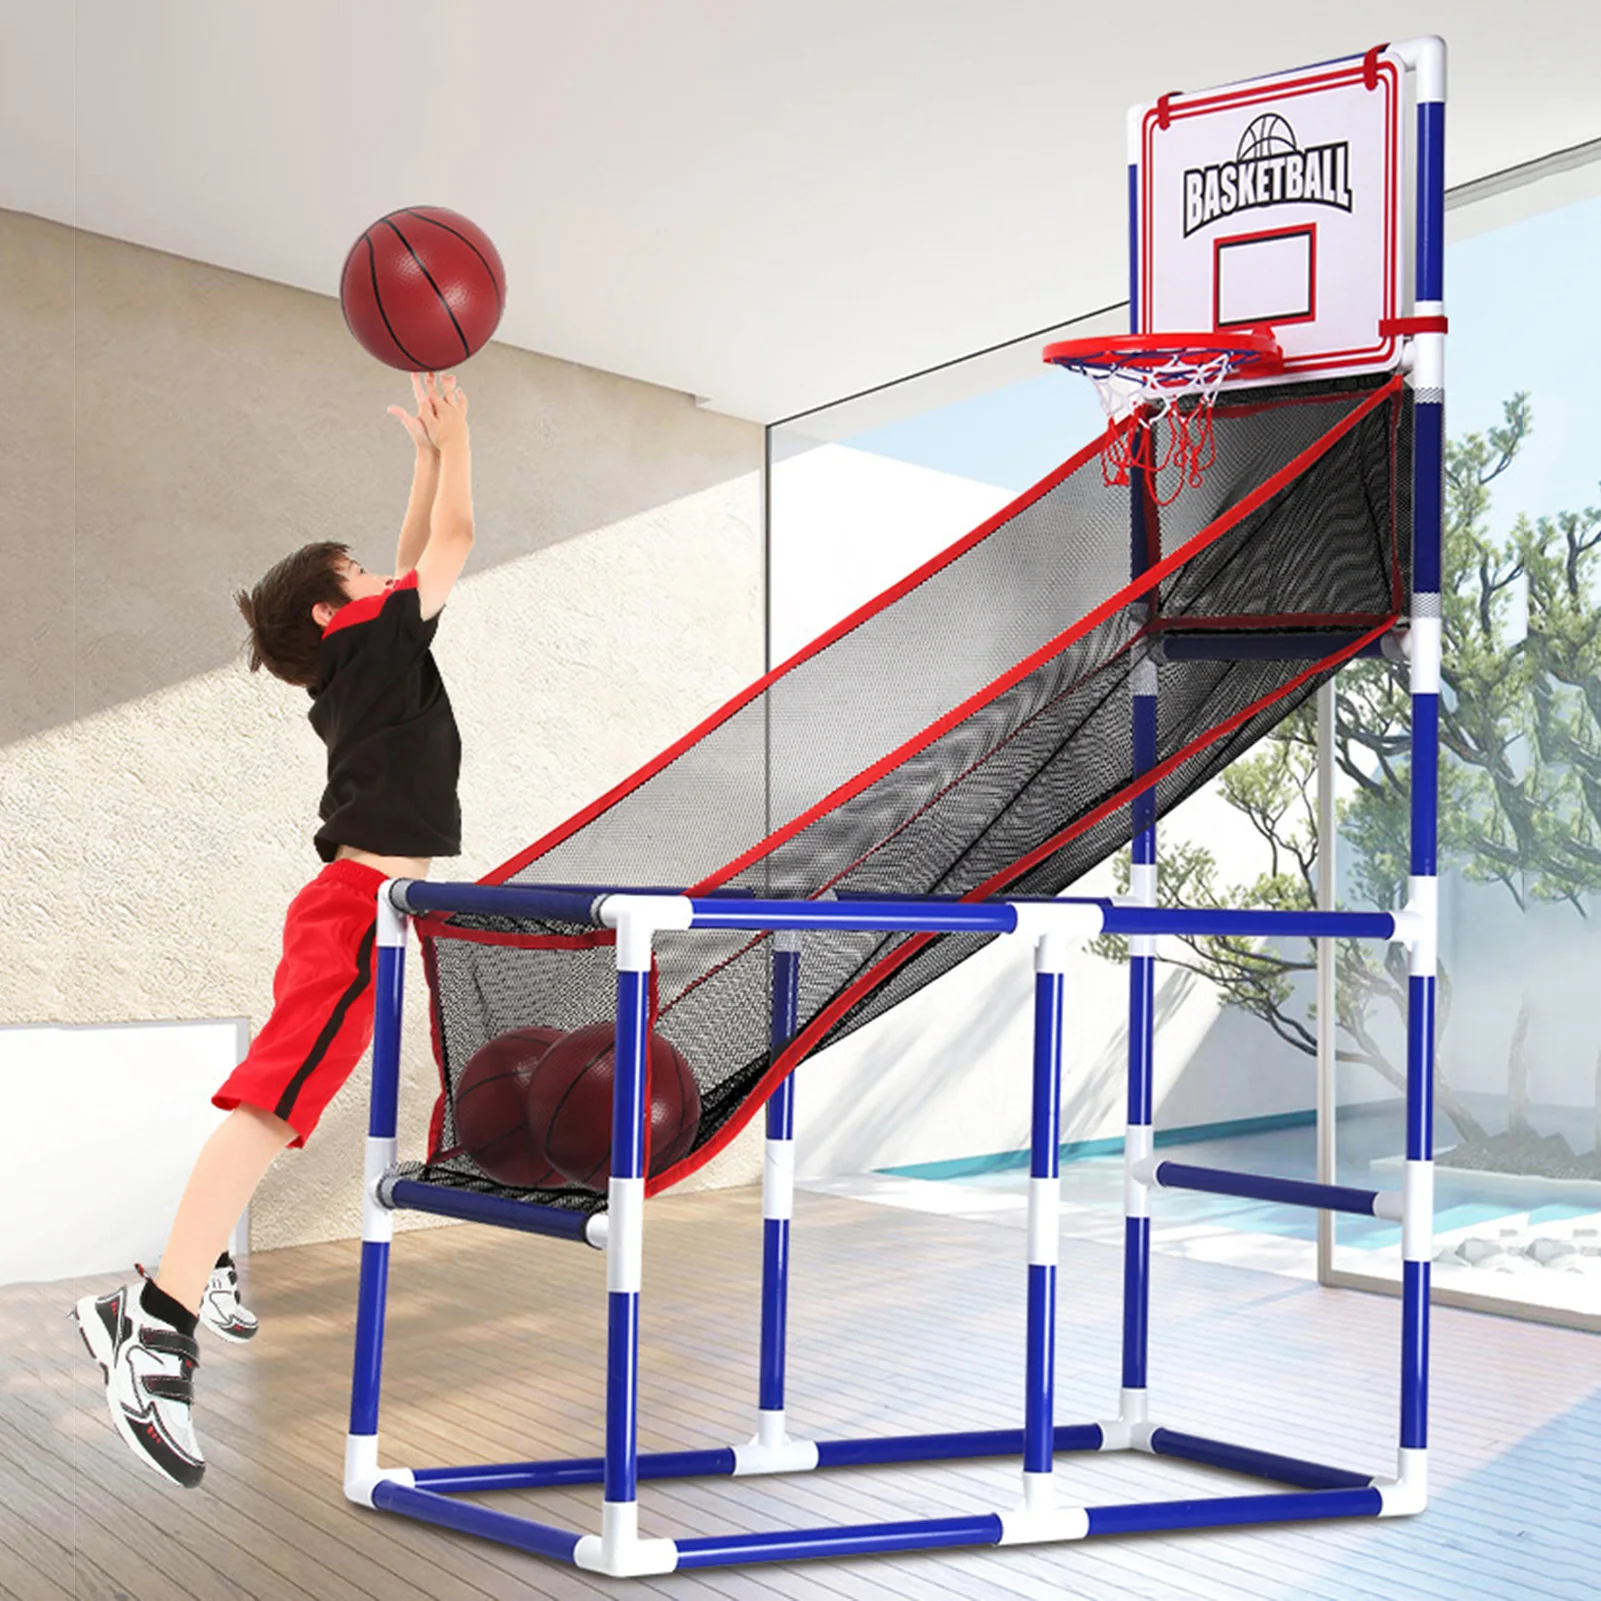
(1520, 782)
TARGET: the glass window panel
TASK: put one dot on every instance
(1518, 1180)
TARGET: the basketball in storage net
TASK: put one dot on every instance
(966, 734)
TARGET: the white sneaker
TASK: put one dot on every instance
(148, 1368)
(220, 1308)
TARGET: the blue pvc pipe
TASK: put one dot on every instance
(948, 914)
(1209, 646)
(1414, 1355)
(500, 1211)
(775, 1230)
(1136, 1300)
(901, 901)
(1040, 1379)
(622, 1306)
(1428, 485)
(775, 1305)
(573, 1470)
(500, 900)
(1145, 754)
(1264, 1187)
(1420, 1003)
(1260, 1464)
(950, 1447)
(1141, 1039)
(781, 1109)
(1431, 201)
(389, 984)
(1249, 923)
(1049, 1005)
(541, 1539)
(366, 1383)
(622, 1396)
(1231, 1511)
(628, 1083)
(367, 1363)
(913, 915)
(864, 1539)
(1425, 784)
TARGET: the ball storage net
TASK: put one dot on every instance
(968, 733)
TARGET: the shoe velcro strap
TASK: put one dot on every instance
(172, 1343)
(169, 1387)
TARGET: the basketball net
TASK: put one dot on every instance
(1137, 403)
(1145, 382)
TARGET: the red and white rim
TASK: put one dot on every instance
(1177, 360)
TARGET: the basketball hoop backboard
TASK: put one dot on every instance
(1278, 203)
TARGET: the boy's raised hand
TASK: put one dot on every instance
(415, 426)
(444, 411)
(441, 410)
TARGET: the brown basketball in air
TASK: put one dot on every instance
(491, 1106)
(570, 1099)
(423, 289)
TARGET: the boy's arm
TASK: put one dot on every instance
(419, 509)
(424, 481)
(450, 524)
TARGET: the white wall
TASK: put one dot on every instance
(106, 1123)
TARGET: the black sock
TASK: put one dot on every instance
(159, 1304)
(224, 1260)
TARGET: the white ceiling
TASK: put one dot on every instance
(763, 203)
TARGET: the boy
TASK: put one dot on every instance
(359, 644)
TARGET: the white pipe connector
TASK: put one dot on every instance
(1066, 920)
(1039, 1519)
(362, 1472)
(638, 919)
(1416, 1209)
(391, 920)
(1418, 924)
(618, 1552)
(1408, 1492)
(377, 1221)
(1426, 57)
(771, 1450)
(1132, 1429)
(1139, 1169)
(778, 1180)
(625, 1236)
(1424, 647)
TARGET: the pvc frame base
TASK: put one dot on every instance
(1321, 1493)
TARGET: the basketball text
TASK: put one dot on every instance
(1317, 176)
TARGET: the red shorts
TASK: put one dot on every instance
(321, 1023)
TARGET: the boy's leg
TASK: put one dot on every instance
(230, 1166)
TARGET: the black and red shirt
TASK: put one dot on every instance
(394, 755)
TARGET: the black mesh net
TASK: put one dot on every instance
(967, 734)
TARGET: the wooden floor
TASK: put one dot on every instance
(901, 1322)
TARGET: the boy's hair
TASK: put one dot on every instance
(284, 636)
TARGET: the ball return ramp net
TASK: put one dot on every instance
(966, 734)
